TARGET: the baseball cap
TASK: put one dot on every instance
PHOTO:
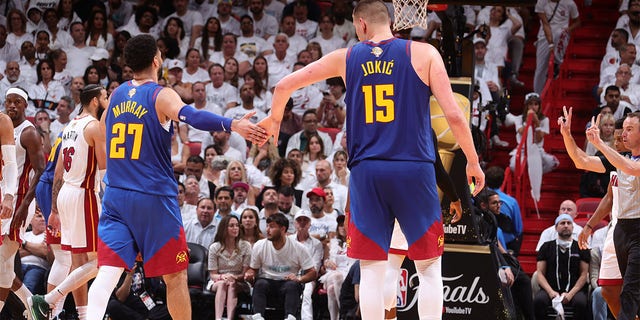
(302, 213)
(175, 63)
(318, 192)
(240, 184)
(531, 96)
(563, 217)
(100, 54)
(479, 40)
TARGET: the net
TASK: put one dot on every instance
(409, 13)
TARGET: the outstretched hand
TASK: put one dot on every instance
(272, 128)
(248, 130)
(593, 133)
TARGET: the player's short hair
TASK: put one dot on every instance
(140, 51)
(374, 11)
(89, 92)
(279, 219)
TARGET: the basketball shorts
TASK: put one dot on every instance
(43, 198)
(133, 222)
(609, 269)
(383, 190)
(79, 211)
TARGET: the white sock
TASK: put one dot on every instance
(82, 312)
(100, 291)
(430, 291)
(59, 306)
(371, 298)
(23, 294)
(75, 279)
(60, 267)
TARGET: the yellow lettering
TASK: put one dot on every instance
(116, 111)
(377, 66)
(389, 68)
(370, 67)
(364, 70)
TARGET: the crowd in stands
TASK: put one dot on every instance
(225, 57)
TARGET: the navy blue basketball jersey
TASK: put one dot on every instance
(49, 170)
(138, 145)
(388, 115)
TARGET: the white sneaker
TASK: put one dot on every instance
(257, 316)
(497, 142)
(290, 317)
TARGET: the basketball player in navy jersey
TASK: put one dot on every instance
(389, 82)
(140, 208)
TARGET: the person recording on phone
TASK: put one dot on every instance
(331, 112)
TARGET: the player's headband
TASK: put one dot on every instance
(17, 91)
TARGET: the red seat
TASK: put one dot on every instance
(583, 221)
(587, 204)
(332, 132)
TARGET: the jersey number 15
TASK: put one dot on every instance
(120, 132)
(378, 103)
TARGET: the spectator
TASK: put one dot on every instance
(249, 42)
(229, 258)
(296, 42)
(508, 206)
(119, 12)
(98, 35)
(337, 265)
(202, 230)
(174, 29)
(211, 172)
(145, 21)
(28, 63)
(331, 112)
(563, 271)
(224, 199)
(192, 19)
(34, 19)
(229, 50)
(80, 53)
(269, 202)
(281, 61)
(550, 233)
(607, 126)
(249, 229)
(64, 110)
(627, 54)
(279, 268)
(91, 76)
(191, 198)
(274, 8)
(179, 153)
(192, 72)
(618, 38)
(327, 39)
(47, 91)
(220, 93)
(557, 21)
(343, 28)
(261, 68)
(211, 39)
(304, 27)
(628, 89)
(300, 139)
(231, 72)
(195, 167)
(17, 27)
(323, 227)
(138, 297)
(341, 173)
(503, 26)
(33, 255)
(287, 173)
(265, 25)
(262, 99)
(8, 51)
(11, 79)
(62, 75)
(174, 80)
(42, 42)
(228, 23)
(612, 102)
(538, 160)
(241, 197)
(302, 222)
(263, 157)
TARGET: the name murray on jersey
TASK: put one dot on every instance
(129, 107)
(377, 67)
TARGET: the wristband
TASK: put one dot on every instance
(204, 120)
(588, 225)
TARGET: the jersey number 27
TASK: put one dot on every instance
(120, 132)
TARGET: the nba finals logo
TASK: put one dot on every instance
(402, 288)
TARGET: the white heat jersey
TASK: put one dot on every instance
(79, 159)
(25, 171)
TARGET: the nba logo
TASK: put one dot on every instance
(402, 288)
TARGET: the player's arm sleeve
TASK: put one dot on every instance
(9, 183)
(442, 177)
(204, 120)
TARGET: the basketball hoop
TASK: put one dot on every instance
(409, 14)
